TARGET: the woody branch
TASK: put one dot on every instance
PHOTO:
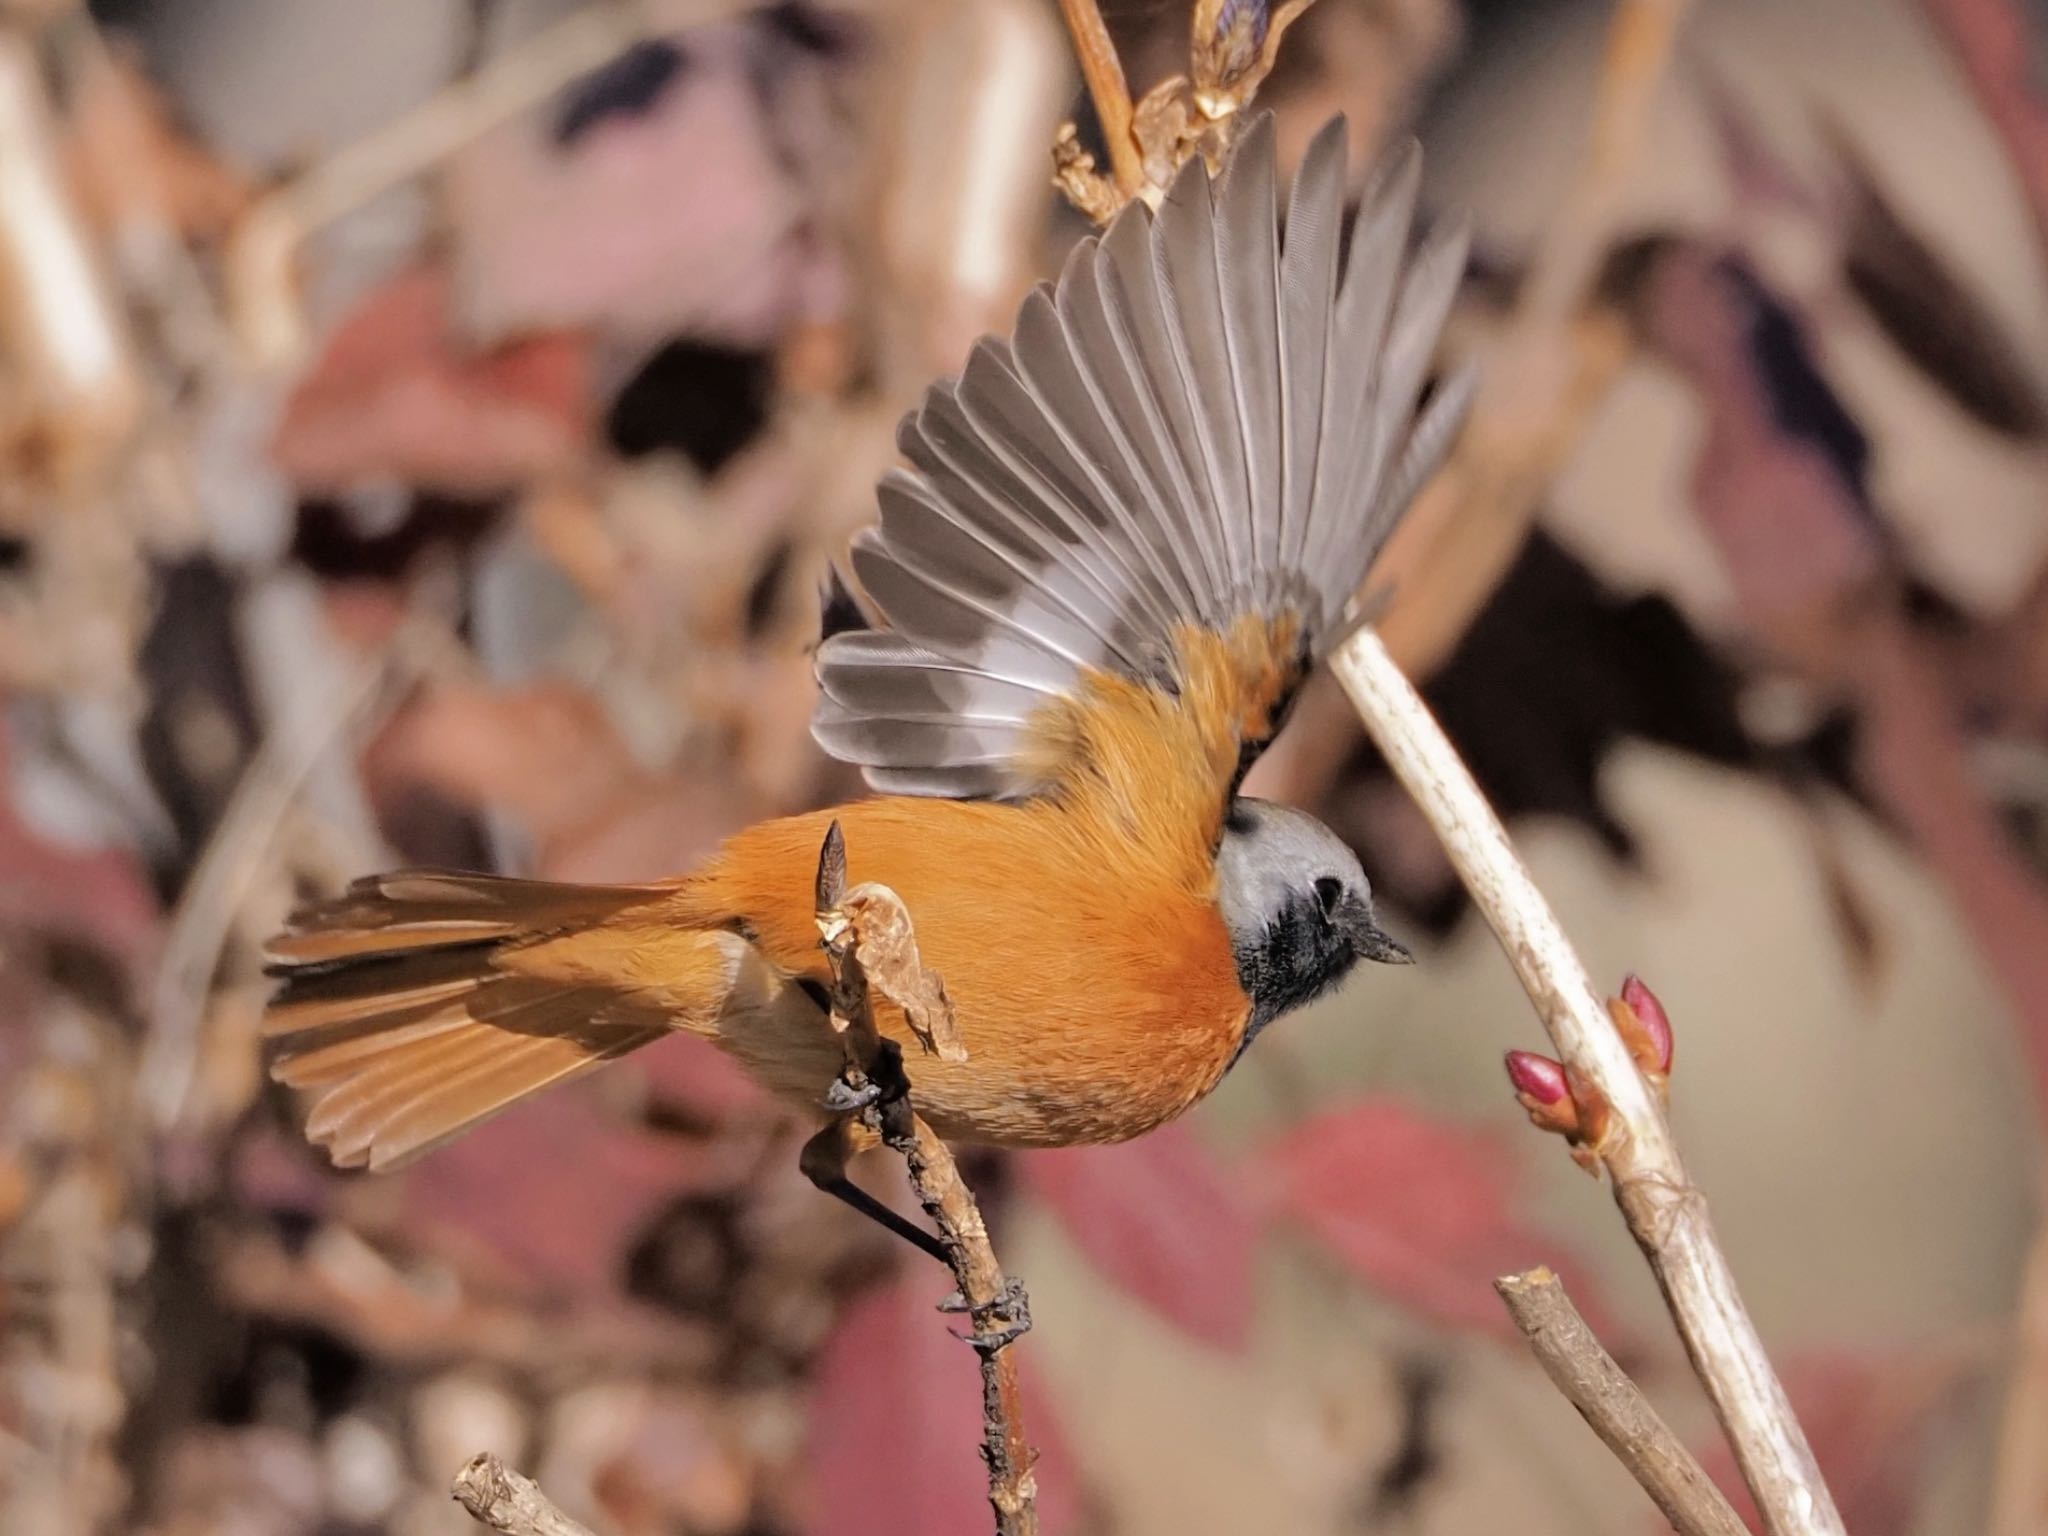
(1614, 1406)
(510, 1502)
(868, 939)
(1620, 1121)
(1627, 1132)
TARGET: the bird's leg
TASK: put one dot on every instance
(847, 1097)
(823, 1161)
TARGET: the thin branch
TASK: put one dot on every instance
(868, 939)
(1665, 1211)
(74, 392)
(308, 733)
(2019, 1487)
(509, 1501)
(1994, 42)
(1104, 73)
(1572, 1357)
(1469, 548)
(265, 245)
(1544, 375)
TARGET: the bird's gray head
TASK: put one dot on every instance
(1297, 905)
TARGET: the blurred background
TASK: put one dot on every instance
(424, 427)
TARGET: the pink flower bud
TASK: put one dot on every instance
(1538, 1076)
(1653, 1050)
(1542, 1089)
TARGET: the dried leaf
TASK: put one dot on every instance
(546, 754)
(396, 395)
(1234, 45)
(831, 882)
(697, 1076)
(1758, 172)
(1538, 726)
(1780, 484)
(655, 827)
(1160, 1218)
(671, 1465)
(887, 950)
(1419, 1210)
(1927, 311)
(557, 1187)
(100, 894)
(132, 164)
(651, 201)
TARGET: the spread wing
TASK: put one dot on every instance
(1203, 432)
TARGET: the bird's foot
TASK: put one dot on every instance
(881, 1085)
(847, 1096)
(998, 1322)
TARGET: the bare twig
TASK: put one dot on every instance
(1614, 1406)
(509, 1501)
(2019, 1489)
(994, 1304)
(1467, 541)
(1543, 377)
(261, 254)
(74, 394)
(72, 1156)
(1991, 41)
(1104, 73)
(1665, 1211)
(310, 732)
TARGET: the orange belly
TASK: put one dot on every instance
(1092, 974)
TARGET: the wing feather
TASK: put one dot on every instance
(1358, 327)
(1206, 427)
(1308, 283)
(976, 479)
(1248, 272)
(1184, 261)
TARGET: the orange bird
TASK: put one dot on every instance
(1126, 534)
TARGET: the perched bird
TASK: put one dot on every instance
(1125, 535)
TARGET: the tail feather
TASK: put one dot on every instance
(399, 1013)
(349, 1055)
(408, 1120)
(335, 995)
(432, 909)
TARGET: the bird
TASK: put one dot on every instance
(1121, 538)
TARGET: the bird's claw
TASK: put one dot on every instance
(845, 1097)
(998, 1322)
(882, 1083)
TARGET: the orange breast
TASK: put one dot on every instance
(1091, 971)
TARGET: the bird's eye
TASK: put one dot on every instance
(1329, 891)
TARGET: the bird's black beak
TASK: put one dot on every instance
(1372, 941)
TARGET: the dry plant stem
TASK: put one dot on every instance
(1991, 41)
(260, 257)
(292, 752)
(507, 1501)
(73, 386)
(1665, 1212)
(2019, 1488)
(1545, 374)
(1572, 1357)
(1104, 73)
(995, 1304)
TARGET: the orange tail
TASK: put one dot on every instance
(413, 1007)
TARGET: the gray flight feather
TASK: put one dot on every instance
(1209, 414)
